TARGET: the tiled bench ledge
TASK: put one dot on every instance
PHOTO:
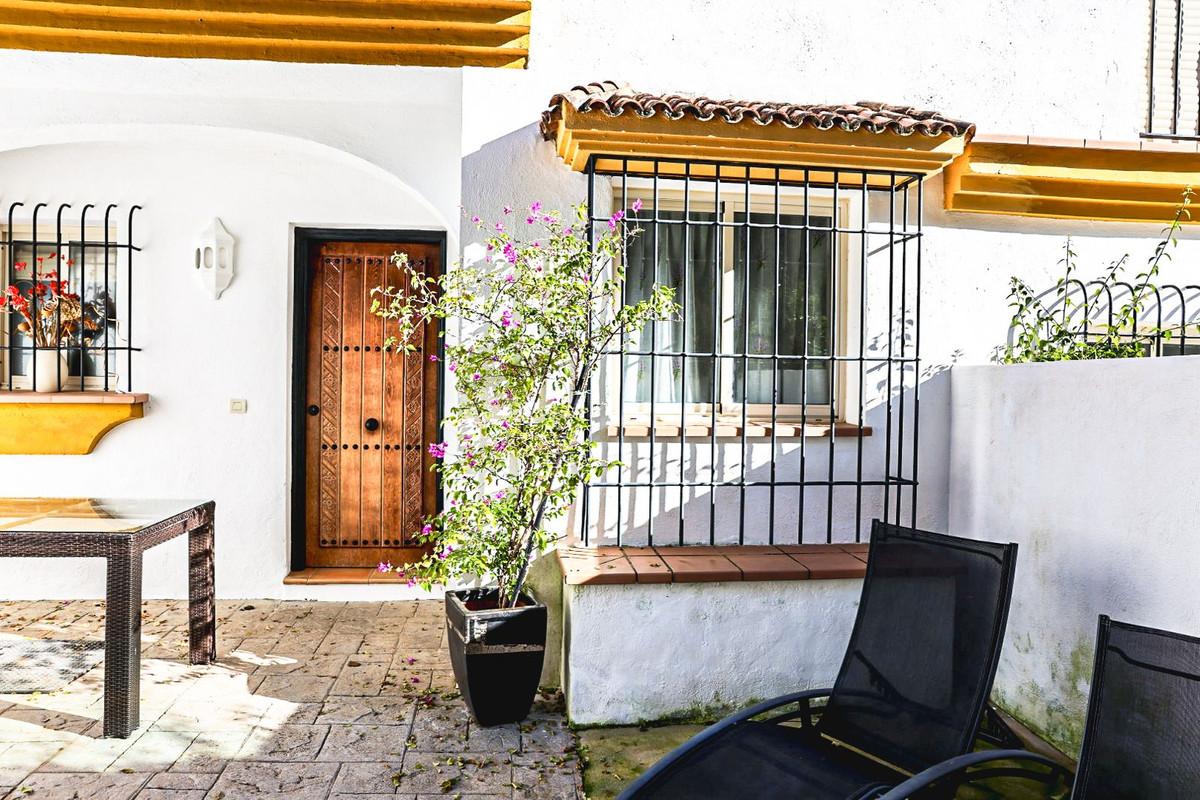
(591, 566)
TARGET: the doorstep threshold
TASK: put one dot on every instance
(318, 576)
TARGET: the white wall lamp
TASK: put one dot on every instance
(213, 258)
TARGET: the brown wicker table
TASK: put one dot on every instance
(119, 531)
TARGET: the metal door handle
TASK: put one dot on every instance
(371, 424)
(313, 411)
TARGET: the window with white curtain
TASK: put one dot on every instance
(748, 339)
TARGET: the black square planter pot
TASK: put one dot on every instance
(497, 653)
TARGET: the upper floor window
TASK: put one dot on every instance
(1174, 69)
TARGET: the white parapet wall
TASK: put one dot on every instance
(1089, 467)
(642, 652)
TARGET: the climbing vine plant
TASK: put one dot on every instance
(1055, 326)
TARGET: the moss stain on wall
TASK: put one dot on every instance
(1055, 712)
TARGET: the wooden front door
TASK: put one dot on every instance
(371, 412)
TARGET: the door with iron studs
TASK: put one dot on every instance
(370, 411)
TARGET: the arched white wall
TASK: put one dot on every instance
(199, 353)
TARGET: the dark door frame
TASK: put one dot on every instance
(305, 241)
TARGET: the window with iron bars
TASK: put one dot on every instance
(1174, 69)
(70, 274)
(780, 405)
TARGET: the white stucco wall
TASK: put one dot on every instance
(1000, 64)
(1086, 466)
(686, 650)
(267, 148)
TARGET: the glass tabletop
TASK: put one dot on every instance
(86, 514)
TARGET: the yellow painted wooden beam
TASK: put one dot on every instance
(60, 428)
(1117, 183)
(582, 135)
(452, 33)
(70, 16)
(457, 10)
(17, 37)
(739, 150)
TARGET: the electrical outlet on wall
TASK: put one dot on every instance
(237, 406)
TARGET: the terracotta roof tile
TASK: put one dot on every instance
(616, 99)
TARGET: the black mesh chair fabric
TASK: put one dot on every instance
(921, 660)
(910, 692)
(762, 761)
(1142, 740)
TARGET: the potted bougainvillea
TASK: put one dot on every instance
(537, 316)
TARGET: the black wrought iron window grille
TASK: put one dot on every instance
(67, 277)
(780, 406)
(1174, 70)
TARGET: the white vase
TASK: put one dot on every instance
(51, 368)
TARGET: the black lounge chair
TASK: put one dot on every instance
(910, 693)
(1142, 737)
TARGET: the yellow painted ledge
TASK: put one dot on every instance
(1064, 179)
(62, 423)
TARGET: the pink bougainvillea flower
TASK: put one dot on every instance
(501, 446)
(426, 529)
(536, 207)
(384, 566)
(509, 278)
(504, 424)
(475, 219)
(500, 226)
(411, 583)
(415, 679)
(410, 661)
(437, 449)
(506, 319)
(614, 219)
(508, 209)
(500, 495)
(510, 252)
(434, 358)
(637, 205)
(530, 220)
(568, 231)
(476, 376)
(490, 247)
(452, 366)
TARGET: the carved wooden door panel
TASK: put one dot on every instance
(371, 413)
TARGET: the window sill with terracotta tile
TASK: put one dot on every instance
(591, 566)
(756, 426)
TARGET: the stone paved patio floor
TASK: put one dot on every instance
(308, 701)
